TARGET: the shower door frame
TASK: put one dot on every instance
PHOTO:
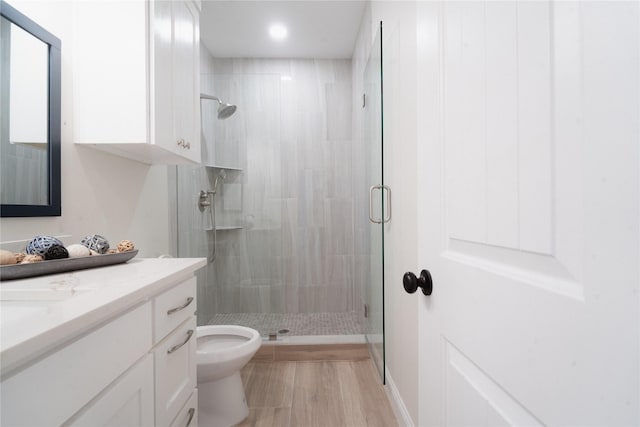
(375, 333)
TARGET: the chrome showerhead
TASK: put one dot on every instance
(224, 110)
(222, 175)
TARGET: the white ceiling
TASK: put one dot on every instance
(316, 29)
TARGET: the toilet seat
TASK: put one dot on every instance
(220, 343)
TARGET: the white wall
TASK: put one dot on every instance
(103, 194)
(399, 93)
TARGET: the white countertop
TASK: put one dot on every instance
(46, 311)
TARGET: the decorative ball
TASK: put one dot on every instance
(112, 251)
(30, 259)
(56, 252)
(19, 257)
(92, 252)
(125, 246)
(78, 251)
(39, 245)
(7, 257)
(96, 243)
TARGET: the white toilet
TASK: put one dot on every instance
(221, 352)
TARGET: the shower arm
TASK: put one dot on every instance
(205, 96)
(224, 110)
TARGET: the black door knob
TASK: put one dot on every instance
(412, 283)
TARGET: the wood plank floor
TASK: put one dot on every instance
(344, 393)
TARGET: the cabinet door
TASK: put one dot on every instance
(175, 367)
(110, 73)
(162, 62)
(55, 387)
(186, 88)
(188, 415)
(128, 402)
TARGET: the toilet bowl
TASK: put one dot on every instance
(223, 350)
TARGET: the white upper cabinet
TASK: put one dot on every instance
(136, 79)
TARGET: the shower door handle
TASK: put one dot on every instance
(371, 218)
(387, 216)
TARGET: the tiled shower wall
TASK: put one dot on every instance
(291, 136)
(23, 166)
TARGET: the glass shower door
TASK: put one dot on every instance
(372, 134)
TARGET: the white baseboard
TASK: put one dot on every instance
(397, 404)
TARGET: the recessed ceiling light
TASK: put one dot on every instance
(278, 32)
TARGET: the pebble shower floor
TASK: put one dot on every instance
(298, 324)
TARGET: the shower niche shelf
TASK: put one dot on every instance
(229, 168)
(226, 227)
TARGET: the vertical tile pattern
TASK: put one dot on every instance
(27, 167)
(292, 136)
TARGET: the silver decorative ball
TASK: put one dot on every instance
(96, 243)
(40, 244)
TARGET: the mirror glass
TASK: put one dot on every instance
(29, 117)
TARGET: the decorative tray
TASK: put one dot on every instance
(23, 271)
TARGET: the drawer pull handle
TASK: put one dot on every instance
(175, 310)
(192, 412)
(177, 346)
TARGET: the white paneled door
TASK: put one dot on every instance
(529, 213)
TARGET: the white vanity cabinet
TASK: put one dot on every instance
(136, 367)
(170, 370)
(136, 79)
(54, 388)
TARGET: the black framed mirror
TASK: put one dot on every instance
(30, 119)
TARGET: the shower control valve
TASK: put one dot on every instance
(203, 199)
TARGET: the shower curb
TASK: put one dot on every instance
(311, 352)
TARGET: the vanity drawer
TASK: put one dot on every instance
(175, 371)
(58, 385)
(173, 307)
(188, 415)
